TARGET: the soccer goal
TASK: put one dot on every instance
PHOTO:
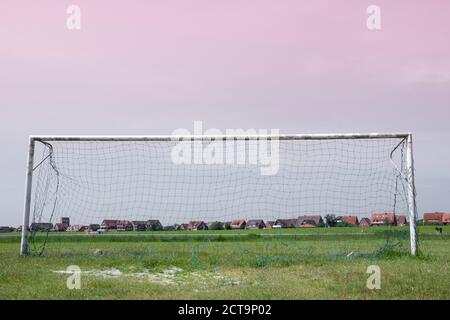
(154, 183)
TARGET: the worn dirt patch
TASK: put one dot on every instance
(170, 276)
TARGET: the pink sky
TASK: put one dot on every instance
(149, 67)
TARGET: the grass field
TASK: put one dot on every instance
(278, 264)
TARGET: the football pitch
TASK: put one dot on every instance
(320, 263)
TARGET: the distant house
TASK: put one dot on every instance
(19, 228)
(351, 220)
(41, 226)
(255, 224)
(124, 225)
(364, 222)
(306, 224)
(269, 224)
(197, 225)
(65, 220)
(153, 225)
(391, 219)
(6, 229)
(139, 225)
(401, 220)
(76, 228)
(60, 227)
(120, 225)
(94, 227)
(180, 227)
(285, 223)
(446, 218)
(380, 219)
(88, 230)
(309, 221)
(109, 224)
(238, 224)
(435, 217)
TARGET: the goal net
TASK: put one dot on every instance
(155, 183)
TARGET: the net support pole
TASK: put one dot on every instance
(411, 195)
(27, 206)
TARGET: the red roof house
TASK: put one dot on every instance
(124, 225)
(446, 218)
(383, 219)
(255, 224)
(364, 222)
(109, 224)
(313, 221)
(180, 227)
(238, 224)
(401, 220)
(197, 225)
(353, 220)
(286, 223)
(434, 217)
(307, 225)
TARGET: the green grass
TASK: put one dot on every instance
(337, 234)
(235, 267)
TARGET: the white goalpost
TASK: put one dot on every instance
(132, 178)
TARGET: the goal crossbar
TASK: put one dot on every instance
(225, 137)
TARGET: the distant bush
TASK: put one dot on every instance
(321, 225)
(432, 223)
(331, 220)
(344, 224)
(217, 226)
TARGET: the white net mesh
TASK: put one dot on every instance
(90, 181)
